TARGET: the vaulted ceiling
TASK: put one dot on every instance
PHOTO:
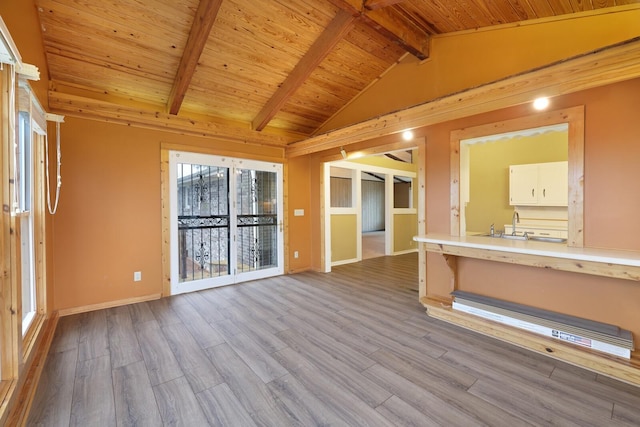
(270, 72)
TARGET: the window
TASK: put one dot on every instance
(24, 217)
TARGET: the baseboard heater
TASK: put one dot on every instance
(598, 336)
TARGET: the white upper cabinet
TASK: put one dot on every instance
(539, 184)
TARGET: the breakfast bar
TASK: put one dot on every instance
(616, 264)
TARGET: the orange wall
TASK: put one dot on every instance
(109, 221)
(21, 18)
(612, 209)
(467, 59)
(299, 227)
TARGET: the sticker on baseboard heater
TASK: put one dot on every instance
(543, 330)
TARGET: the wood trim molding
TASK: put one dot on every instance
(90, 108)
(109, 304)
(620, 369)
(22, 405)
(604, 269)
(594, 69)
(574, 116)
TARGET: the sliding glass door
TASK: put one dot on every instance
(226, 221)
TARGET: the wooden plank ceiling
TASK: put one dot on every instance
(267, 72)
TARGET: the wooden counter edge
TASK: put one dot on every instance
(617, 271)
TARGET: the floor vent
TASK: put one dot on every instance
(599, 336)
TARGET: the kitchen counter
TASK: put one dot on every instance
(602, 262)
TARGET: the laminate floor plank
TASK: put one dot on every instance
(256, 358)
(348, 348)
(360, 315)
(511, 360)
(304, 305)
(248, 311)
(345, 404)
(123, 342)
(383, 336)
(203, 307)
(605, 392)
(192, 359)
(140, 313)
(222, 408)
(178, 405)
(272, 290)
(447, 383)
(534, 382)
(421, 399)
(93, 401)
(163, 312)
(273, 308)
(307, 408)
(254, 395)
(536, 406)
(260, 331)
(626, 415)
(160, 360)
(66, 335)
(52, 402)
(506, 370)
(134, 399)
(311, 321)
(340, 351)
(402, 414)
(215, 298)
(193, 318)
(340, 373)
(93, 338)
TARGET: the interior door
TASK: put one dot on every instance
(226, 221)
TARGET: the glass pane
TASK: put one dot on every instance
(203, 221)
(341, 188)
(28, 282)
(23, 163)
(257, 213)
(402, 192)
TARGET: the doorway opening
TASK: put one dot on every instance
(369, 215)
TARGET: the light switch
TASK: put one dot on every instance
(298, 212)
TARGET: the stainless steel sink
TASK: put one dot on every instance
(547, 239)
(512, 237)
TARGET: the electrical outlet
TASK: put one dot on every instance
(137, 276)
(295, 254)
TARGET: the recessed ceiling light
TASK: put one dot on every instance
(407, 135)
(541, 103)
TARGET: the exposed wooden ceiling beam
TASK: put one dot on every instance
(390, 23)
(379, 4)
(137, 116)
(200, 29)
(335, 31)
(605, 66)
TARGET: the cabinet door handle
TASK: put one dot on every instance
(544, 192)
(533, 192)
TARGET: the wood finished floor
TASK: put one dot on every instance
(349, 348)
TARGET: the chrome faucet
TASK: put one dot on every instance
(514, 219)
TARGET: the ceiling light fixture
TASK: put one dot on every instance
(407, 135)
(541, 103)
(344, 153)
